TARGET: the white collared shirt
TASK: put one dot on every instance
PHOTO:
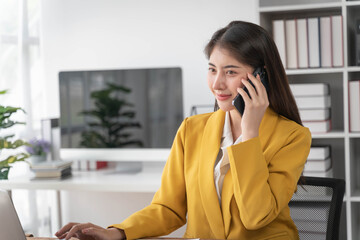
(222, 164)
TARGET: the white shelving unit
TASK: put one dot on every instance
(345, 145)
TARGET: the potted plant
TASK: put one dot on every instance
(110, 119)
(37, 148)
(6, 141)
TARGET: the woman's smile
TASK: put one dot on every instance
(223, 97)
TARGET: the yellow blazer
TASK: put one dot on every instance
(262, 178)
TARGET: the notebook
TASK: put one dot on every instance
(10, 227)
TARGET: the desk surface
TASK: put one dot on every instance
(107, 180)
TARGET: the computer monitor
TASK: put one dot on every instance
(125, 114)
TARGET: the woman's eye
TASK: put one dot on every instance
(230, 72)
(212, 70)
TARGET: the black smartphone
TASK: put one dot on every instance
(238, 101)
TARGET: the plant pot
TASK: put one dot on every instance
(4, 172)
(34, 159)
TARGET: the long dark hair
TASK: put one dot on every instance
(252, 45)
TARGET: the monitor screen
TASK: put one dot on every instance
(131, 108)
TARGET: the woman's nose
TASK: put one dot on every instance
(219, 81)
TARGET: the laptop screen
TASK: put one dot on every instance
(10, 227)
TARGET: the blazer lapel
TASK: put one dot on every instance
(210, 146)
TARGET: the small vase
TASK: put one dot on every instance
(35, 159)
(4, 172)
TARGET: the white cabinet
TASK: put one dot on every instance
(345, 145)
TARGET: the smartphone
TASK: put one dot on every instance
(238, 101)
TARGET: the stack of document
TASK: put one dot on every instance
(54, 170)
(314, 102)
(319, 162)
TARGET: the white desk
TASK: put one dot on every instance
(107, 180)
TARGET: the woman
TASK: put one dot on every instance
(228, 176)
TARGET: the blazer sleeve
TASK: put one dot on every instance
(263, 187)
(167, 211)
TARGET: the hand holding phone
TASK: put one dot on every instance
(239, 102)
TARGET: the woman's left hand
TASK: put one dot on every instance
(88, 231)
(255, 106)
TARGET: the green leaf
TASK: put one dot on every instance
(9, 123)
(8, 136)
(119, 88)
(11, 145)
(3, 91)
(4, 172)
(134, 142)
(124, 135)
(14, 158)
(92, 139)
(9, 110)
(128, 125)
(5, 114)
(129, 114)
(94, 113)
(94, 124)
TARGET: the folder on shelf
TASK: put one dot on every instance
(337, 41)
(325, 42)
(319, 153)
(314, 114)
(314, 42)
(309, 89)
(354, 105)
(318, 126)
(302, 43)
(313, 102)
(291, 45)
(318, 165)
(279, 38)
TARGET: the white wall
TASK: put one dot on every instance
(119, 34)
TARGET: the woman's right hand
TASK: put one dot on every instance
(89, 231)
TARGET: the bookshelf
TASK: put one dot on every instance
(345, 145)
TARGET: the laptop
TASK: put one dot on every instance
(10, 226)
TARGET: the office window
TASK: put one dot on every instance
(20, 73)
(20, 65)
